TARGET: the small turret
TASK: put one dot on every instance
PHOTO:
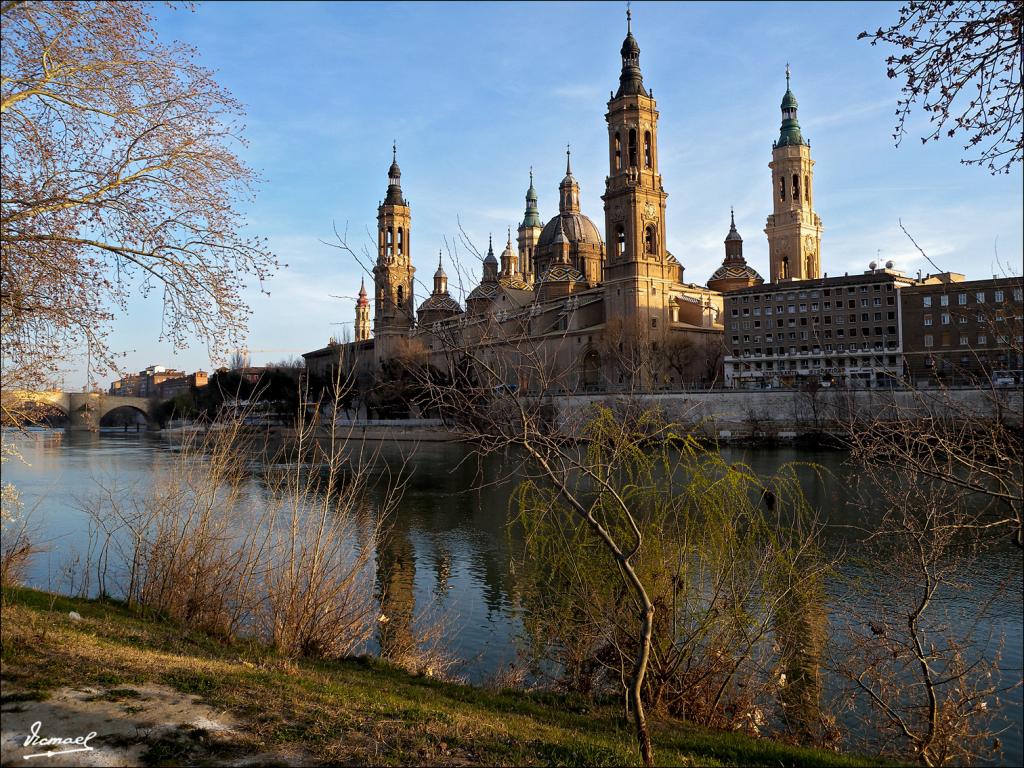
(734, 273)
(362, 328)
(569, 189)
(529, 232)
(789, 134)
(631, 81)
(490, 273)
(394, 196)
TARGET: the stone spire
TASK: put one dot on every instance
(509, 260)
(440, 278)
(734, 273)
(631, 82)
(362, 327)
(733, 241)
(490, 274)
(569, 189)
(789, 134)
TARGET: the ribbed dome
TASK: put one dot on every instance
(789, 100)
(577, 227)
(483, 291)
(560, 273)
(440, 302)
(737, 272)
(514, 281)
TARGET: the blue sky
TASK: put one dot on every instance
(476, 93)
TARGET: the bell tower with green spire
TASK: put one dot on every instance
(793, 228)
(529, 234)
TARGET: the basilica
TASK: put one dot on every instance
(563, 308)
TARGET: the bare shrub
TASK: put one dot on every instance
(931, 681)
(233, 538)
(16, 547)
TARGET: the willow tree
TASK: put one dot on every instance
(120, 176)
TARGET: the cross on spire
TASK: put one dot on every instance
(629, 18)
(568, 160)
(394, 151)
(787, 75)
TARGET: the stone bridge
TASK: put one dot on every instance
(83, 409)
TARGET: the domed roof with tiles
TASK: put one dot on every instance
(576, 226)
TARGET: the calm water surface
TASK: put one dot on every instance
(450, 551)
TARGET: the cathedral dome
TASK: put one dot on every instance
(576, 226)
(440, 303)
(735, 271)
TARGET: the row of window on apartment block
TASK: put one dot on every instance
(945, 318)
(865, 317)
(828, 348)
(839, 362)
(998, 297)
(850, 289)
(945, 340)
(814, 306)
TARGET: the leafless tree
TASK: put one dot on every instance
(962, 62)
(931, 682)
(120, 177)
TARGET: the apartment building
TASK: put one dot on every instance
(842, 331)
(961, 332)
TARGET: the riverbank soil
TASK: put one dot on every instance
(154, 694)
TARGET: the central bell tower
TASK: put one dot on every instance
(392, 275)
(638, 269)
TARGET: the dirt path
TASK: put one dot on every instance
(133, 725)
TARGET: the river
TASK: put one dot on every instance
(452, 540)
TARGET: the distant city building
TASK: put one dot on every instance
(157, 381)
(962, 332)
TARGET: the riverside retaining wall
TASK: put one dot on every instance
(791, 413)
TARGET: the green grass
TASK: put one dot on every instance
(353, 711)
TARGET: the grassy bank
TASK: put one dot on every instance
(356, 711)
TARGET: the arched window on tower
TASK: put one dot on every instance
(618, 152)
(620, 241)
(796, 188)
(782, 187)
(632, 147)
(807, 189)
(648, 159)
(650, 240)
(401, 241)
(400, 296)
(784, 268)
